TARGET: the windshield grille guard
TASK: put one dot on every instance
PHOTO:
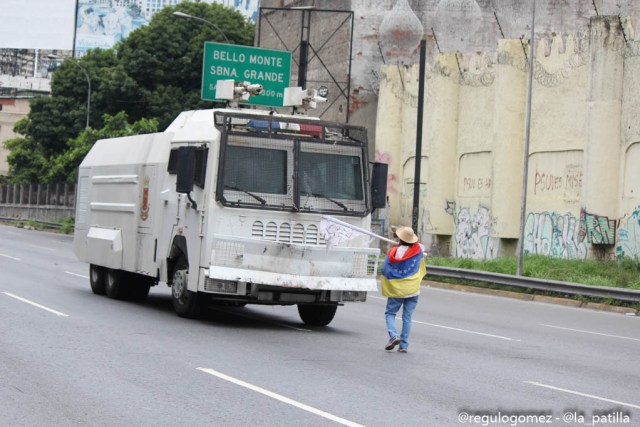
(276, 132)
(317, 130)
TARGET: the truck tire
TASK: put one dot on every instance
(317, 315)
(97, 279)
(113, 284)
(185, 302)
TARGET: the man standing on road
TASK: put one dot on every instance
(402, 273)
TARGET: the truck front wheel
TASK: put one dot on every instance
(96, 278)
(317, 315)
(185, 302)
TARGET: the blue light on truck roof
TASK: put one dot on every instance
(262, 125)
(304, 129)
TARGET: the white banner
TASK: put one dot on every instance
(335, 231)
(37, 24)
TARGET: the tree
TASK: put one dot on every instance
(165, 57)
(155, 73)
(112, 90)
(26, 159)
(64, 167)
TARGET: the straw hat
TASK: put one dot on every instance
(406, 234)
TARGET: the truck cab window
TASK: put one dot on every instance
(331, 175)
(258, 170)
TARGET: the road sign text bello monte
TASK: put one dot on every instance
(270, 68)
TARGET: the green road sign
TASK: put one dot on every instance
(270, 68)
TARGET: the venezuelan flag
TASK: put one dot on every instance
(401, 277)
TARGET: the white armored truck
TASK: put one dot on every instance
(225, 206)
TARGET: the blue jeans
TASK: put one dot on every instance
(393, 306)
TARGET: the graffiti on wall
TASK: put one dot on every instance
(555, 235)
(475, 174)
(597, 229)
(473, 233)
(567, 183)
(629, 236)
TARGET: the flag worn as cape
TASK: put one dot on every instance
(401, 277)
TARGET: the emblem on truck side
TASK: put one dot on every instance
(144, 209)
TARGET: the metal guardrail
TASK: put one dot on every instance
(533, 283)
(48, 224)
(621, 294)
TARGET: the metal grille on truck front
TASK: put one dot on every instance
(282, 233)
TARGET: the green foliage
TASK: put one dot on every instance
(169, 50)
(64, 167)
(151, 76)
(165, 57)
(67, 225)
(52, 121)
(26, 160)
(623, 274)
(33, 225)
(590, 272)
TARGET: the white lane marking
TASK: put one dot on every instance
(371, 296)
(466, 330)
(42, 247)
(589, 332)
(577, 393)
(280, 398)
(76, 274)
(247, 316)
(11, 257)
(57, 313)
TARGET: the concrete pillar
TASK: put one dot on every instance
(508, 138)
(441, 130)
(600, 191)
(389, 133)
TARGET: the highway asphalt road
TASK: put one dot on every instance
(72, 358)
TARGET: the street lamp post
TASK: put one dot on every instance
(401, 32)
(86, 74)
(187, 16)
(525, 173)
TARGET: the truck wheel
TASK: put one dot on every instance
(317, 315)
(113, 284)
(185, 302)
(96, 278)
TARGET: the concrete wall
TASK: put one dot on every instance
(44, 202)
(13, 109)
(513, 20)
(583, 192)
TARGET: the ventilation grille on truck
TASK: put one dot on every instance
(287, 233)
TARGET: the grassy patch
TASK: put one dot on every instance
(623, 274)
(67, 225)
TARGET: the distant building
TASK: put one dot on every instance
(12, 109)
(102, 23)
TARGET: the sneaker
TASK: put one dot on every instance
(402, 350)
(393, 342)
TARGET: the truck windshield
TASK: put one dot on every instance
(330, 175)
(256, 170)
(261, 171)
